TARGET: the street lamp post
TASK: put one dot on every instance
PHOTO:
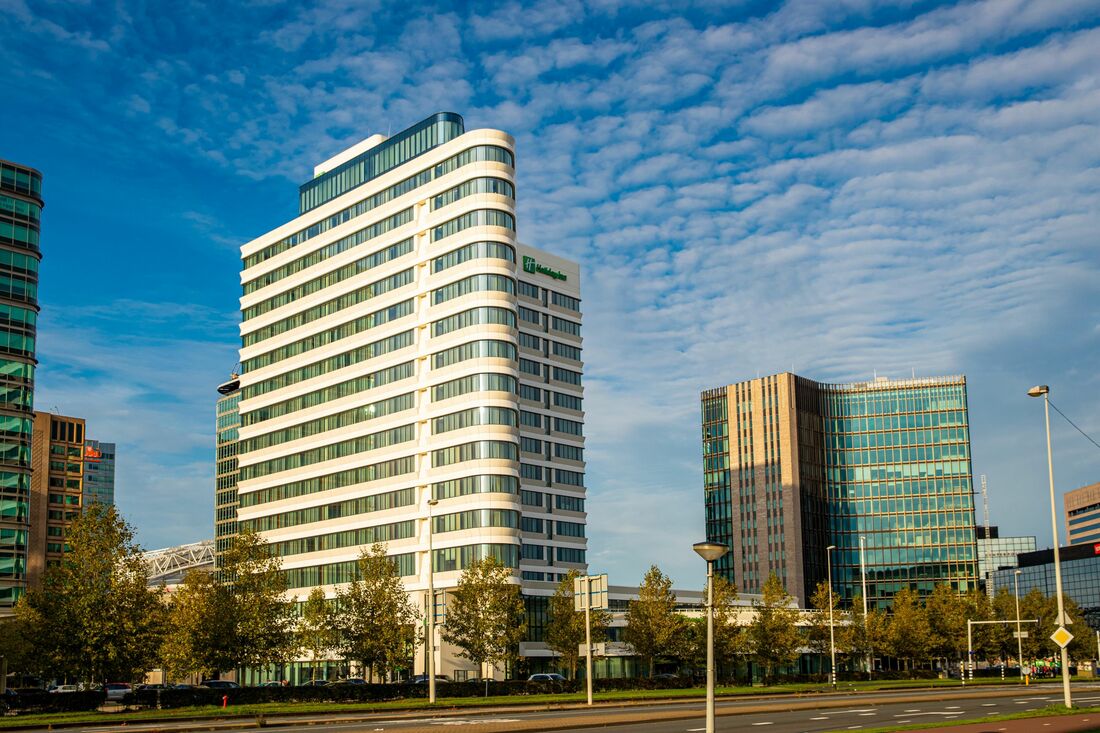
(866, 627)
(1043, 391)
(710, 551)
(1019, 636)
(832, 639)
(429, 641)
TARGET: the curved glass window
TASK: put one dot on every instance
(474, 284)
(343, 449)
(17, 288)
(486, 382)
(329, 278)
(377, 229)
(347, 538)
(361, 475)
(459, 558)
(474, 251)
(477, 450)
(471, 187)
(483, 349)
(475, 317)
(366, 382)
(347, 508)
(20, 209)
(333, 363)
(343, 419)
(483, 415)
(483, 484)
(472, 155)
(18, 262)
(317, 340)
(476, 218)
(343, 572)
(474, 519)
(347, 300)
(20, 235)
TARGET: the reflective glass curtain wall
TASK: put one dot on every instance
(20, 215)
(898, 474)
(228, 420)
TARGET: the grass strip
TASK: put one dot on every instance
(208, 712)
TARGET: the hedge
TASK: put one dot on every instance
(380, 692)
(53, 702)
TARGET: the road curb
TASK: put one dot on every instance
(786, 702)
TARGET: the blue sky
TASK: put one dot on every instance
(844, 188)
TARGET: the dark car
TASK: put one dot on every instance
(220, 684)
(551, 677)
(315, 683)
(351, 681)
(422, 679)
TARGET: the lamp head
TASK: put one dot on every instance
(710, 551)
(1016, 573)
(1038, 390)
(830, 547)
(433, 502)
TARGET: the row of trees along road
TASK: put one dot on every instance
(96, 619)
(918, 632)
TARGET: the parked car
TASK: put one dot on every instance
(117, 690)
(219, 684)
(314, 683)
(271, 683)
(666, 676)
(422, 679)
(351, 681)
(156, 686)
(546, 677)
(66, 688)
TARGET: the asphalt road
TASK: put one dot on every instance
(790, 714)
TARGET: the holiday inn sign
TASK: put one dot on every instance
(529, 265)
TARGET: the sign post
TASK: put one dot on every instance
(584, 588)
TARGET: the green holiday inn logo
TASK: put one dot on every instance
(530, 265)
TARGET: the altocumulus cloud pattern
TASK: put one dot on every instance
(841, 188)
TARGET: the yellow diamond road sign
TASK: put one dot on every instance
(1061, 637)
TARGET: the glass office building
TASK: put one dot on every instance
(996, 552)
(20, 216)
(99, 473)
(1080, 578)
(792, 466)
(228, 421)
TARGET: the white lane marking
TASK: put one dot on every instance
(866, 714)
(766, 722)
(905, 721)
(820, 717)
(476, 721)
(914, 710)
(989, 704)
(950, 707)
(854, 727)
(932, 712)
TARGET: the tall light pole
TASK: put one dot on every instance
(866, 627)
(710, 551)
(429, 640)
(1043, 391)
(1019, 636)
(832, 639)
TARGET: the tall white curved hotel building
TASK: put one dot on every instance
(399, 345)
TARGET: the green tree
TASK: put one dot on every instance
(729, 637)
(565, 631)
(947, 614)
(653, 627)
(486, 616)
(908, 632)
(867, 635)
(317, 631)
(1035, 605)
(817, 633)
(200, 635)
(774, 637)
(94, 618)
(1003, 638)
(265, 625)
(376, 619)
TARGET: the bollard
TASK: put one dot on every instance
(225, 700)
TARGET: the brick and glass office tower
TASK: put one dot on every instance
(792, 466)
(400, 346)
(57, 489)
(20, 218)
